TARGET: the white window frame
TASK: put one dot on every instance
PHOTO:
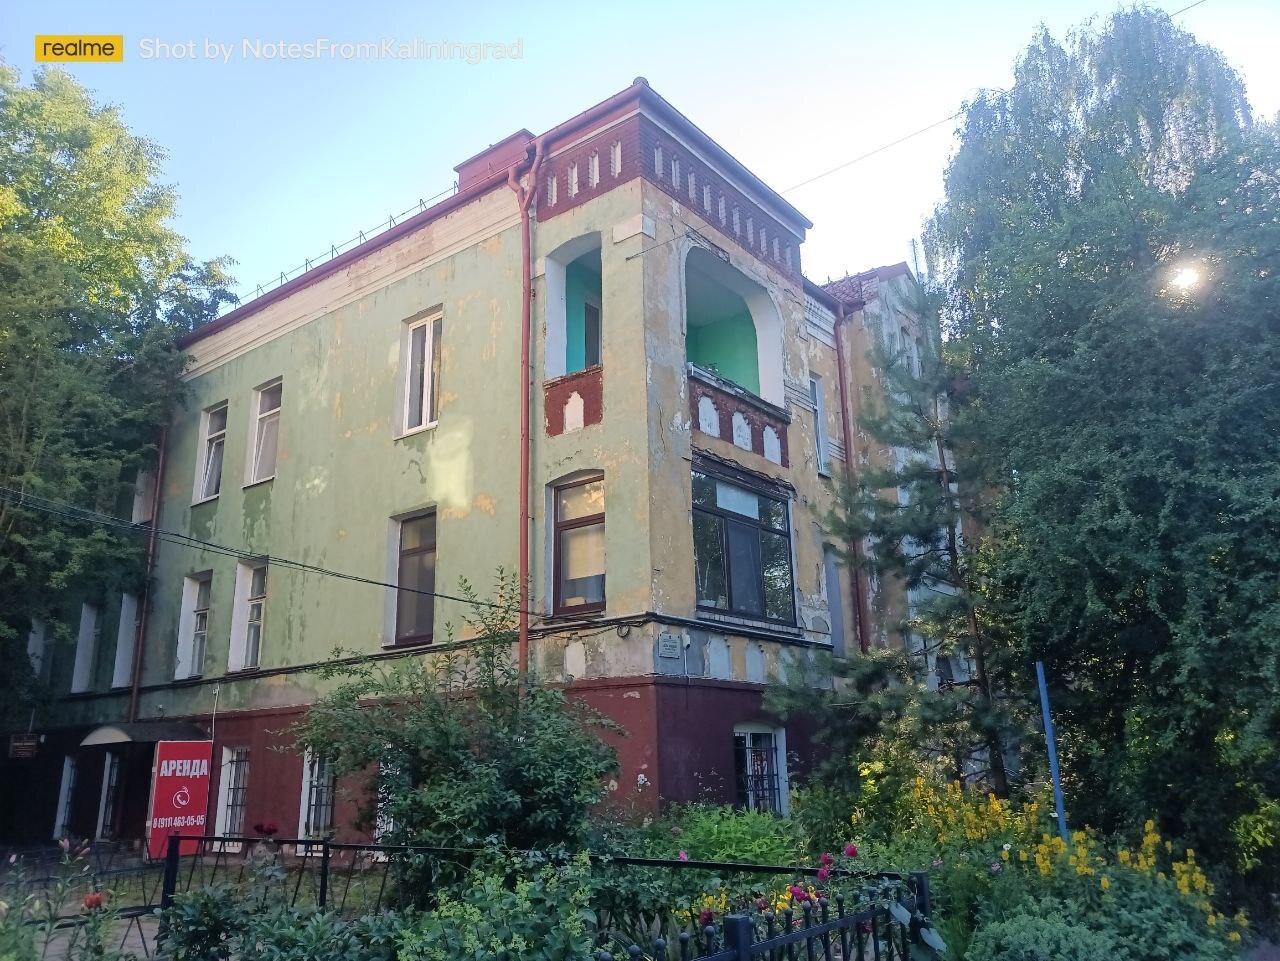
(238, 652)
(186, 664)
(822, 442)
(126, 632)
(86, 649)
(258, 418)
(66, 789)
(430, 389)
(779, 760)
(207, 440)
(112, 764)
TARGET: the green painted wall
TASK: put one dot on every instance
(580, 282)
(728, 347)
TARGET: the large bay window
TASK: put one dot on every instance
(579, 547)
(742, 551)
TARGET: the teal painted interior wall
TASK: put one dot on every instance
(580, 282)
(728, 347)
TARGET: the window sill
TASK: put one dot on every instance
(206, 500)
(740, 620)
(414, 431)
(265, 480)
(584, 611)
(242, 671)
(406, 642)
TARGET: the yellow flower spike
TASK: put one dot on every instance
(1105, 883)
(1234, 937)
(1149, 826)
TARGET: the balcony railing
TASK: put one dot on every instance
(722, 409)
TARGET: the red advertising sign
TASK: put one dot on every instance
(179, 794)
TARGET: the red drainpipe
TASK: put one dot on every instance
(855, 571)
(524, 196)
(139, 639)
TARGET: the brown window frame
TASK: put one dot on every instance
(412, 640)
(558, 527)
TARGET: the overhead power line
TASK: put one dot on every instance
(924, 129)
(70, 512)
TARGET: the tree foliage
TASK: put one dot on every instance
(1108, 251)
(95, 289)
(448, 752)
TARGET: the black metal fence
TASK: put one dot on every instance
(877, 918)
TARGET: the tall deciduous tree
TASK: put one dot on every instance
(95, 289)
(1109, 248)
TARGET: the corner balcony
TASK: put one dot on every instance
(720, 408)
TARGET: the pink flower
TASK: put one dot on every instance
(761, 904)
(798, 893)
(684, 855)
(824, 872)
(706, 917)
(825, 859)
(851, 850)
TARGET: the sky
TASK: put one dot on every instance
(275, 160)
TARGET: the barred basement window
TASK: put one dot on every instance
(234, 791)
(759, 764)
(319, 789)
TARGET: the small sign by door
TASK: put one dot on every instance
(23, 746)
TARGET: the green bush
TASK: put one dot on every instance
(708, 832)
(510, 910)
(1026, 937)
(453, 754)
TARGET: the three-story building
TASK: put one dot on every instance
(598, 365)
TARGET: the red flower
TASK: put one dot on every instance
(851, 850)
(684, 855)
(270, 828)
(706, 917)
(761, 904)
(798, 893)
(94, 900)
(825, 860)
(824, 873)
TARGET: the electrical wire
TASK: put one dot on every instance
(70, 512)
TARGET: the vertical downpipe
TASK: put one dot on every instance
(524, 196)
(139, 639)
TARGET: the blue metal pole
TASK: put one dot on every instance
(1053, 750)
